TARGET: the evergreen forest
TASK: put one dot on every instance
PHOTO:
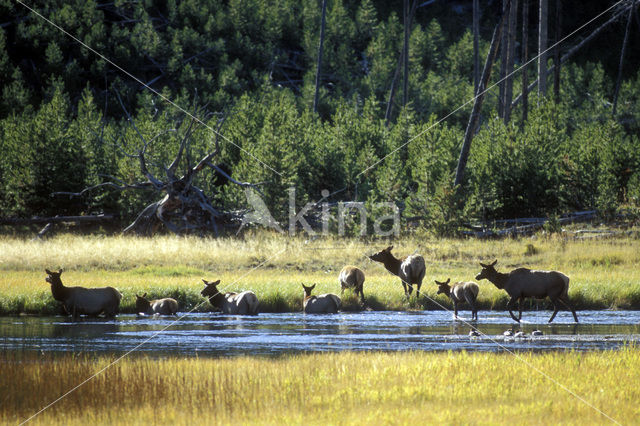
(87, 85)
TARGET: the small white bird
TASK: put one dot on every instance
(536, 333)
(474, 333)
(508, 333)
(519, 335)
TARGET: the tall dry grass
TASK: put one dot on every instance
(337, 388)
(603, 273)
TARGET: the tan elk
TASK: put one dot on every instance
(80, 300)
(244, 303)
(460, 292)
(410, 269)
(166, 306)
(322, 304)
(352, 277)
(522, 283)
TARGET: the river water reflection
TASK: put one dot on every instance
(272, 334)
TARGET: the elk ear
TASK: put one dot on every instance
(145, 294)
(448, 281)
(216, 283)
(483, 265)
(313, 286)
(60, 271)
(389, 248)
(206, 283)
(48, 272)
(494, 262)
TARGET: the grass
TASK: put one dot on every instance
(334, 388)
(603, 273)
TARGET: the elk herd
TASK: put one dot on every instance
(519, 284)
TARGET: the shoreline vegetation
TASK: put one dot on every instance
(328, 388)
(603, 272)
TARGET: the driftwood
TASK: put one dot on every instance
(181, 207)
(525, 226)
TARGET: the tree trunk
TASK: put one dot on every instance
(396, 75)
(319, 61)
(556, 52)
(511, 53)
(621, 64)
(570, 53)
(476, 46)
(525, 59)
(542, 47)
(407, 29)
(504, 48)
(477, 104)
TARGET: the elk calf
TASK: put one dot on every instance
(522, 283)
(460, 292)
(410, 269)
(166, 306)
(322, 304)
(244, 303)
(352, 277)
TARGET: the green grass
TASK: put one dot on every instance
(603, 273)
(336, 388)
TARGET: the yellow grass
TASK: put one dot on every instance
(603, 273)
(339, 388)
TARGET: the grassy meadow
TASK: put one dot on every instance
(336, 388)
(604, 272)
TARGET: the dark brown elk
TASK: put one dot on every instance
(166, 306)
(244, 303)
(84, 301)
(522, 283)
(460, 292)
(322, 304)
(410, 269)
(352, 277)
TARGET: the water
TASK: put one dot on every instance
(213, 334)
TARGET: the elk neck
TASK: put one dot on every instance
(58, 290)
(392, 264)
(499, 279)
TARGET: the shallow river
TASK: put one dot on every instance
(272, 334)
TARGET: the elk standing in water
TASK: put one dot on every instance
(166, 306)
(410, 269)
(244, 303)
(522, 283)
(81, 300)
(322, 304)
(352, 277)
(460, 292)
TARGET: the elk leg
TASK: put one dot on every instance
(471, 302)
(555, 309)
(520, 303)
(566, 303)
(418, 289)
(455, 310)
(362, 297)
(510, 306)
(404, 285)
(410, 288)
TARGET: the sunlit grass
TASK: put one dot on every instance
(603, 273)
(334, 388)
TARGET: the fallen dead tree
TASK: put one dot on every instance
(524, 226)
(181, 207)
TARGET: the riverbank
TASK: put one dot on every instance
(333, 388)
(604, 273)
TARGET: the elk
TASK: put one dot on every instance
(322, 304)
(410, 269)
(460, 292)
(244, 303)
(166, 306)
(522, 283)
(352, 277)
(80, 300)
